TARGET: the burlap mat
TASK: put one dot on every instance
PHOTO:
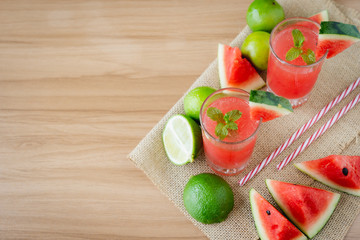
(343, 138)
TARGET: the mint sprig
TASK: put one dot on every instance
(224, 122)
(307, 55)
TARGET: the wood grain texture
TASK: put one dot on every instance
(81, 83)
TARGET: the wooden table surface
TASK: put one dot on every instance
(81, 83)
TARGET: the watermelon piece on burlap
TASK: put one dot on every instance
(308, 208)
(336, 171)
(269, 222)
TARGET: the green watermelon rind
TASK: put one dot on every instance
(323, 37)
(257, 217)
(325, 181)
(321, 222)
(269, 100)
(339, 29)
(256, 83)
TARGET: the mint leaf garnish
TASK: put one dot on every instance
(215, 114)
(298, 38)
(232, 126)
(233, 115)
(307, 55)
(221, 131)
(224, 122)
(292, 54)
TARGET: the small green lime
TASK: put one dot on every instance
(194, 99)
(208, 198)
(263, 15)
(182, 139)
(256, 48)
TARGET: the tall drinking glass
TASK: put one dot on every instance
(230, 155)
(294, 79)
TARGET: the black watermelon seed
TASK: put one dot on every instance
(268, 212)
(345, 171)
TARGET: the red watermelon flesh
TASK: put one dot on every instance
(308, 208)
(235, 71)
(337, 171)
(320, 17)
(269, 222)
(335, 46)
(259, 112)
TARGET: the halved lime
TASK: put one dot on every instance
(182, 139)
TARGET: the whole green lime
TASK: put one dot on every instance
(256, 48)
(194, 99)
(263, 15)
(208, 198)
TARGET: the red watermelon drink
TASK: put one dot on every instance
(229, 134)
(293, 68)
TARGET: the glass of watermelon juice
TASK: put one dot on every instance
(294, 79)
(230, 155)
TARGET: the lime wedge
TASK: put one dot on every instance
(182, 139)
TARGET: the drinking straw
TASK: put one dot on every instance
(299, 132)
(319, 132)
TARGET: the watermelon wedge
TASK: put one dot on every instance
(235, 71)
(269, 222)
(337, 171)
(308, 208)
(267, 106)
(336, 37)
(320, 17)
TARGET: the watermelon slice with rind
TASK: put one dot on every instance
(336, 171)
(269, 222)
(308, 208)
(267, 106)
(335, 37)
(235, 71)
(320, 17)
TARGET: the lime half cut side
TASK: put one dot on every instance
(182, 139)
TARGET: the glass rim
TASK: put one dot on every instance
(285, 62)
(217, 139)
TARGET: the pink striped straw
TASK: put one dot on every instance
(319, 132)
(299, 132)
